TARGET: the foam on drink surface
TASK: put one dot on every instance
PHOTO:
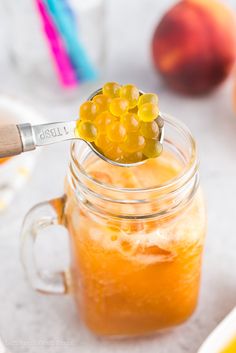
(143, 241)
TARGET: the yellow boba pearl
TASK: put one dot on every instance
(111, 89)
(134, 110)
(130, 121)
(133, 143)
(86, 130)
(119, 106)
(114, 153)
(133, 157)
(102, 101)
(131, 93)
(116, 132)
(148, 98)
(152, 149)
(150, 129)
(103, 120)
(103, 143)
(89, 110)
(148, 112)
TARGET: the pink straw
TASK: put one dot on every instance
(60, 57)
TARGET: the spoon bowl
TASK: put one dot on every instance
(160, 123)
(15, 139)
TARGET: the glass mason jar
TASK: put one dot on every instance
(136, 238)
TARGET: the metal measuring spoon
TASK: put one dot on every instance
(15, 139)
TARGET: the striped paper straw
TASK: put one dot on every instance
(61, 60)
(67, 27)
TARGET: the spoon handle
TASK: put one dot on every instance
(15, 139)
(10, 141)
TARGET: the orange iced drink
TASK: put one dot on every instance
(134, 273)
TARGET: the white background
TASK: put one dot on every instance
(30, 322)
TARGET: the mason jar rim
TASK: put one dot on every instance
(187, 173)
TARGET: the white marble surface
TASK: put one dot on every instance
(32, 323)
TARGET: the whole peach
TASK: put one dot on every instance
(194, 45)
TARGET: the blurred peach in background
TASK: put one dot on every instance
(194, 45)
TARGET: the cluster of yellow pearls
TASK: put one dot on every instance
(121, 123)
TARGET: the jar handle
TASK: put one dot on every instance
(41, 216)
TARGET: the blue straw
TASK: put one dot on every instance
(70, 13)
(65, 21)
